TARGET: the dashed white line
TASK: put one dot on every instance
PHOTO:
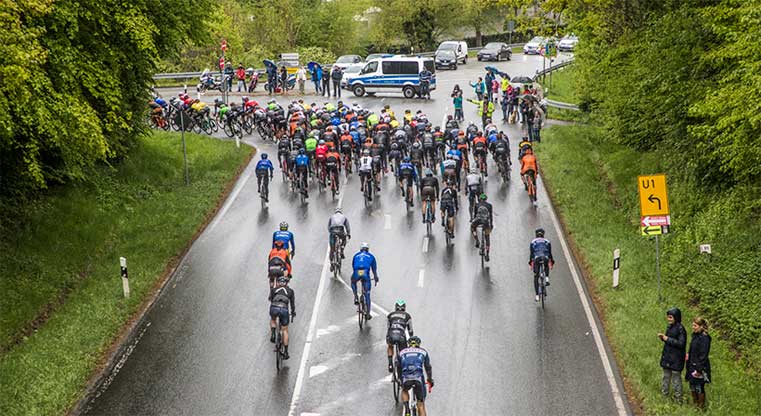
(615, 390)
(387, 224)
(421, 278)
(425, 244)
(374, 305)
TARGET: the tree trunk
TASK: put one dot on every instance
(478, 37)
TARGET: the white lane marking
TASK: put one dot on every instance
(354, 396)
(332, 363)
(316, 370)
(230, 200)
(309, 414)
(313, 321)
(329, 330)
(425, 244)
(421, 278)
(615, 390)
(374, 305)
(387, 225)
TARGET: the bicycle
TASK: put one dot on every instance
(396, 383)
(504, 170)
(335, 258)
(265, 193)
(334, 183)
(301, 186)
(362, 307)
(448, 230)
(279, 346)
(428, 215)
(482, 165)
(412, 403)
(481, 235)
(368, 193)
(531, 186)
(541, 279)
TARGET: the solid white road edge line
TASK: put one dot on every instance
(615, 390)
(421, 278)
(313, 320)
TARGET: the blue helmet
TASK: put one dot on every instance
(407, 159)
(264, 156)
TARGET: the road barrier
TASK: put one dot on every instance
(552, 103)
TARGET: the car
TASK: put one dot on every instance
(445, 59)
(568, 43)
(495, 51)
(351, 71)
(534, 46)
(397, 73)
(344, 61)
(378, 55)
(460, 49)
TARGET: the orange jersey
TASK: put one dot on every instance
(282, 254)
(528, 163)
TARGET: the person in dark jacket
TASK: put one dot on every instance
(337, 75)
(326, 82)
(284, 79)
(672, 357)
(698, 364)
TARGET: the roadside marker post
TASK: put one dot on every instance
(616, 266)
(654, 214)
(125, 276)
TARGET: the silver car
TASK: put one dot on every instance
(534, 46)
(568, 43)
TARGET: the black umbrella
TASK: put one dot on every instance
(522, 79)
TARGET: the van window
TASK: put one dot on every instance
(430, 66)
(391, 67)
(408, 68)
(370, 68)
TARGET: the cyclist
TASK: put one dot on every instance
(263, 167)
(283, 148)
(399, 323)
(523, 146)
(347, 146)
(365, 169)
(449, 204)
(479, 149)
(412, 361)
(407, 171)
(338, 227)
(474, 188)
(429, 189)
(286, 237)
(278, 263)
(311, 145)
(302, 169)
(281, 297)
(528, 167)
(332, 166)
(362, 263)
(540, 252)
(319, 157)
(483, 217)
(501, 150)
(449, 170)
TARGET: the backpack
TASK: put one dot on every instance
(482, 212)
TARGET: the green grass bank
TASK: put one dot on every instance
(62, 304)
(594, 187)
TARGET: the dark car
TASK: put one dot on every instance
(445, 59)
(495, 51)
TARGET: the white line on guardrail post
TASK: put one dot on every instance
(125, 276)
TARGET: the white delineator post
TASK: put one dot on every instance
(125, 277)
(616, 266)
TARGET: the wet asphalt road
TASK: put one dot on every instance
(205, 347)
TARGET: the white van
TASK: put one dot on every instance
(391, 74)
(459, 48)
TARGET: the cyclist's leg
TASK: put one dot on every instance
(331, 242)
(536, 277)
(354, 289)
(368, 286)
(420, 393)
(259, 182)
(273, 314)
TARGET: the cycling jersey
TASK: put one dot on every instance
(320, 151)
(483, 213)
(407, 169)
(540, 247)
(263, 166)
(413, 361)
(365, 164)
(310, 144)
(286, 237)
(331, 160)
(528, 163)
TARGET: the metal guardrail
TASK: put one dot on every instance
(558, 104)
(190, 75)
(552, 103)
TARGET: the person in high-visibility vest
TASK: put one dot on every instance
(485, 109)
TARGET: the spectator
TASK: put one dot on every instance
(326, 84)
(504, 84)
(284, 78)
(271, 79)
(698, 364)
(672, 357)
(504, 104)
(536, 122)
(240, 74)
(336, 75)
(485, 110)
(317, 78)
(478, 87)
(487, 84)
(301, 78)
(457, 101)
(514, 105)
(494, 89)
(229, 72)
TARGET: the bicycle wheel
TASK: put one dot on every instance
(361, 309)
(483, 247)
(278, 345)
(395, 382)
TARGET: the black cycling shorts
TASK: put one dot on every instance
(447, 205)
(417, 387)
(396, 337)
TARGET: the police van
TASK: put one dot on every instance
(391, 74)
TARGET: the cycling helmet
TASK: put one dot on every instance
(364, 246)
(366, 152)
(279, 243)
(461, 134)
(416, 145)
(400, 305)
(245, 99)
(482, 197)
(414, 341)
(283, 226)
(539, 232)
(282, 280)
(407, 159)
(302, 151)
(321, 142)
(450, 157)
(339, 210)
(264, 156)
(474, 170)
(428, 172)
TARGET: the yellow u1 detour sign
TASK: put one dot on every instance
(653, 196)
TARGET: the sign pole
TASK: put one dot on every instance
(184, 147)
(658, 268)
(125, 276)
(616, 266)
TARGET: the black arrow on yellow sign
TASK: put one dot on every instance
(653, 199)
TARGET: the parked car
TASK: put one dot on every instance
(460, 49)
(495, 51)
(394, 74)
(445, 59)
(568, 43)
(534, 46)
(351, 71)
(344, 61)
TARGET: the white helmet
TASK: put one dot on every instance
(364, 246)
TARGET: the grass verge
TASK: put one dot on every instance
(60, 266)
(593, 185)
(562, 86)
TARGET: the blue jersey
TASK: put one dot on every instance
(286, 237)
(302, 160)
(160, 101)
(412, 362)
(492, 138)
(407, 169)
(455, 153)
(362, 263)
(356, 137)
(264, 165)
(540, 247)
